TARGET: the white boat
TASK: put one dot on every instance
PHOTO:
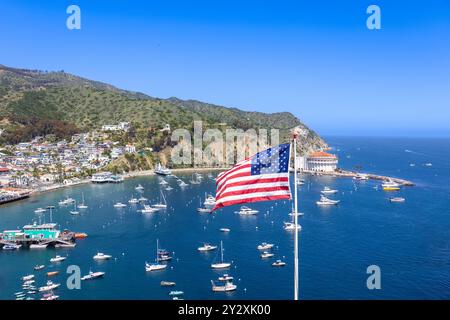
(28, 277)
(133, 201)
(361, 177)
(206, 247)
(247, 211)
(82, 205)
(66, 201)
(120, 205)
(226, 277)
(93, 275)
(210, 201)
(290, 226)
(182, 184)
(65, 245)
(162, 203)
(225, 229)
(38, 246)
(148, 209)
(49, 286)
(39, 210)
(221, 264)
(176, 293)
(11, 246)
(28, 282)
(101, 256)
(397, 199)
(163, 182)
(195, 179)
(327, 190)
(50, 297)
(203, 210)
(266, 254)
(161, 170)
(74, 211)
(57, 259)
(265, 246)
(228, 286)
(324, 201)
(142, 199)
(39, 267)
(390, 184)
(168, 188)
(298, 213)
(429, 164)
(139, 187)
(155, 266)
(279, 263)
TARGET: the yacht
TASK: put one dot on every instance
(133, 201)
(228, 286)
(290, 226)
(119, 205)
(66, 201)
(49, 286)
(82, 205)
(93, 275)
(397, 199)
(265, 246)
(266, 254)
(327, 190)
(161, 170)
(279, 263)
(58, 259)
(324, 201)
(221, 264)
(148, 209)
(39, 267)
(139, 187)
(361, 177)
(246, 211)
(390, 186)
(101, 256)
(28, 277)
(206, 247)
(155, 266)
(11, 246)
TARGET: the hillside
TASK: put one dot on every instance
(58, 101)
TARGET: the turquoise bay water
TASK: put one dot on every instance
(409, 241)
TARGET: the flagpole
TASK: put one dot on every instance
(295, 220)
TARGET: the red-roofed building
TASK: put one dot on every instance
(321, 161)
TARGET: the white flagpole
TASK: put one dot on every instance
(295, 220)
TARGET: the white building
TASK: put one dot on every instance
(122, 126)
(320, 161)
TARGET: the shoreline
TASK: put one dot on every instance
(338, 174)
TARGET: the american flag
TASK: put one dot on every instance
(263, 177)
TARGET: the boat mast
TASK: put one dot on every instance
(295, 136)
(221, 251)
(157, 249)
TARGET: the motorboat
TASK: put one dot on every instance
(57, 258)
(247, 211)
(139, 187)
(176, 293)
(206, 247)
(102, 256)
(148, 209)
(167, 284)
(279, 263)
(204, 210)
(327, 190)
(93, 275)
(66, 245)
(163, 182)
(225, 229)
(80, 235)
(228, 286)
(142, 199)
(221, 264)
(226, 277)
(324, 201)
(397, 199)
(182, 184)
(265, 246)
(168, 188)
(28, 277)
(50, 297)
(119, 205)
(210, 201)
(290, 226)
(390, 186)
(38, 246)
(49, 286)
(11, 246)
(39, 267)
(133, 201)
(39, 210)
(266, 254)
(52, 273)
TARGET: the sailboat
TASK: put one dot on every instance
(82, 205)
(195, 179)
(155, 266)
(161, 205)
(221, 264)
(74, 211)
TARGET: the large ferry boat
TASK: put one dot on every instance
(161, 170)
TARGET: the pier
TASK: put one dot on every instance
(360, 176)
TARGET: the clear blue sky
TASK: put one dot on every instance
(315, 59)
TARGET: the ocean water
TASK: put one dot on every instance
(410, 241)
